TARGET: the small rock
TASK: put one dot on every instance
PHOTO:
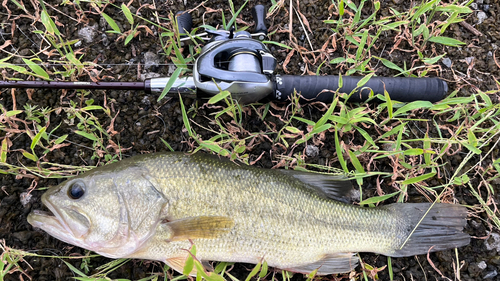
(87, 33)
(146, 101)
(493, 242)
(171, 69)
(481, 16)
(473, 6)
(482, 265)
(25, 52)
(78, 44)
(23, 236)
(486, 8)
(148, 75)
(469, 60)
(150, 59)
(474, 270)
(25, 198)
(447, 62)
(103, 23)
(389, 146)
(491, 274)
(105, 40)
(355, 195)
(312, 151)
(475, 224)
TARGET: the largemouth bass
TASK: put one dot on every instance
(157, 206)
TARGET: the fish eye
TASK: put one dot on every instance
(76, 190)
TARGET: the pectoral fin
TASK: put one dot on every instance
(202, 227)
(329, 264)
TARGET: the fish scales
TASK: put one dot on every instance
(273, 215)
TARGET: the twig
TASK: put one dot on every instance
(303, 27)
(471, 28)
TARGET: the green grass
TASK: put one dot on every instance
(419, 139)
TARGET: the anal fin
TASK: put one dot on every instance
(178, 264)
(329, 264)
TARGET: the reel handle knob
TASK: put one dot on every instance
(259, 16)
(184, 22)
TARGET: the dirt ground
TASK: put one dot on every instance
(142, 122)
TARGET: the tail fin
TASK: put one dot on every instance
(440, 229)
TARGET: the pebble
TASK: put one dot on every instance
(148, 75)
(87, 33)
(493, 242)
(482, 265)
(475, 224)
(481, 16)
(145, 100)
(491, 274)
(171, 69)
(23, 236)
(105, 40)
(312, 150)
(447, 62)
(150, 59)
(355, 195)
(25, 198)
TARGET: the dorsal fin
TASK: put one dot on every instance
(337, 187)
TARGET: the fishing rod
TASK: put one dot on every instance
(239, 62)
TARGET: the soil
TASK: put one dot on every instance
(142, 123)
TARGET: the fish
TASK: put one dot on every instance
(157, 206)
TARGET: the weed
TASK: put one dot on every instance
(403, 148)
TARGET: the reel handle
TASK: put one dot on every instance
(184, 22)
(259, 16)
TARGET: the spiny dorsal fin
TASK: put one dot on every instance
(199, 227)
(330, 186)
(329, 264)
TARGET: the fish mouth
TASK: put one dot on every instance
(66, 224)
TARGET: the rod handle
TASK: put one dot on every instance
(323, 88)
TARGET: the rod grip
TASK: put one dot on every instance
(323, 88)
